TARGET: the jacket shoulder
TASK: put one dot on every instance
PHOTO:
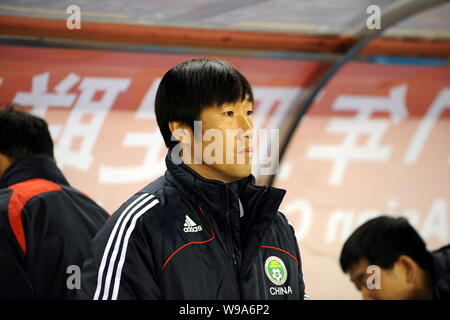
(24, 191)
(445, 250)
(281, 220)
(149, 207)
(442, 258)
(133, 211)
(283, 229)
(48, 197)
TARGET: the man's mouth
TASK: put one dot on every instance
(248, 150)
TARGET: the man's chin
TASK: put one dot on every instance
(239, 171)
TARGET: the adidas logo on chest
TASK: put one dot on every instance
(191, 226)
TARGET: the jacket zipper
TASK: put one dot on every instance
(230, 235)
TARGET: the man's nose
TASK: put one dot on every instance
(246, 124)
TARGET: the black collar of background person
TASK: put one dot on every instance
(260, 203)
(36, 166)
(440, 273)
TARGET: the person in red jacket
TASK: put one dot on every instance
(46, 226)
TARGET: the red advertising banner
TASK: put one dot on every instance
(376, 141)
(99, 106)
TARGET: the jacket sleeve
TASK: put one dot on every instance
(300, 271)
(120, 266)
(14, 284)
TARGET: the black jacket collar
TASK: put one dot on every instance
(32, 167)
(440, 273)
(214, 193)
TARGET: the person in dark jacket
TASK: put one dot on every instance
(46, 226)
(392, 250)
(204, 230)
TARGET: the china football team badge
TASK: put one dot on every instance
(275, 270)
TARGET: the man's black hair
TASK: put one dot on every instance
(23, 134)
(189, 87)
(382, 241)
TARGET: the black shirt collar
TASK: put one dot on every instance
(214, 193)
(440, 273)
(32, 167)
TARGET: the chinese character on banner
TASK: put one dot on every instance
(40, 97)
(86, 106)
(151, 166)
(417, 144)
(361, 124)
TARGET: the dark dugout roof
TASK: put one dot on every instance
(324, 17)
(283, 25)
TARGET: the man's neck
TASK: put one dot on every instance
(425, 288)
(211, 173)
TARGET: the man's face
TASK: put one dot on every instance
(393, 283)
(229, 128)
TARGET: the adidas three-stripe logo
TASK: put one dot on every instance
(116, 248)
(191, 226)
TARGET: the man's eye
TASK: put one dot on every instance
(229, 113)
(250, 112)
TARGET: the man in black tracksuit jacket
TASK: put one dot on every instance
(145, 251)
(46, 226)
(189, 236)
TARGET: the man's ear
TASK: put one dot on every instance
(5, 162)
(408, 267)
(174, 125)
(180, 131)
